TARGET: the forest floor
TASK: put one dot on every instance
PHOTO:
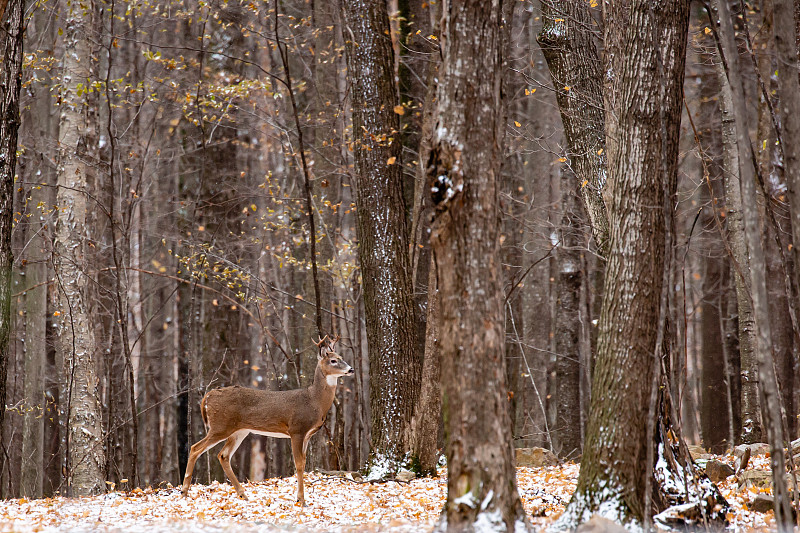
(334, 504)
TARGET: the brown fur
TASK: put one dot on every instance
(230, 413)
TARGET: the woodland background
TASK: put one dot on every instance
(207, 131)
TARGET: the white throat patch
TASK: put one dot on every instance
(332, 380)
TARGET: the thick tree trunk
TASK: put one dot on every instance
(575, 68)
(395, 365)
(11, 27)
(768, 389)
(645, 46)
(463, 174)
(79, 388)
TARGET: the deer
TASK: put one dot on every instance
(232, 413)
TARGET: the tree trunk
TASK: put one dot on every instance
(645, 46)
(785, 33)
(395, 366)
(36, 275)
(463, 174)
(428, 412)
(567, 441)
(79, 388)
(575, 68)
(10, 83)
(750, 425)
(768, 390)
(427, 422)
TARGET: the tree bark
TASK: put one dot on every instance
(10, 83)
(785, 33)
(428, 412)
(426, 425)
(575, 68)
(395, 367)
(714, 392)
(463, 175)
(768, 390)
(37, 273)
(567, 441)
(79, 388)
(645, 46)
(750, 425)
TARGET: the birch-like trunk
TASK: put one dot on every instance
(79, 382)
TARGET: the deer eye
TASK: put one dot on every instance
(333, 361)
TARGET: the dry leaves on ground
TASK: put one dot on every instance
(334, 504)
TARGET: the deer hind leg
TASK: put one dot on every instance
(299, 453)
(197, 450)
(224, 457)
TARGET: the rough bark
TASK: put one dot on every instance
(395, 367)
(10, 83)
(463, 174)
(768, 389)
(569, 47)
(79, 387)
(645, 46)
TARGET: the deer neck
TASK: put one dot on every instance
(323, 389)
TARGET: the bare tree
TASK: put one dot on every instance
(463, 174)
(85, 455)
(644, 44)
(575, 67)
(768, 384)
(10, 83)
(395, 365)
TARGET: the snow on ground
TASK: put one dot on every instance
(334, 505)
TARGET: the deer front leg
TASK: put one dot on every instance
(224, 457)
(197, 450)
(299, 454)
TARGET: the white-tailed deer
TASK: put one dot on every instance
(231, 413)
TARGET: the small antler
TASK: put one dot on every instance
(320, 341)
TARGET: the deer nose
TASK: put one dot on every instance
(350, 372)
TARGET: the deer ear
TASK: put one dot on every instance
(323, 351)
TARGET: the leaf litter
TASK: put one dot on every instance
(335, 504)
